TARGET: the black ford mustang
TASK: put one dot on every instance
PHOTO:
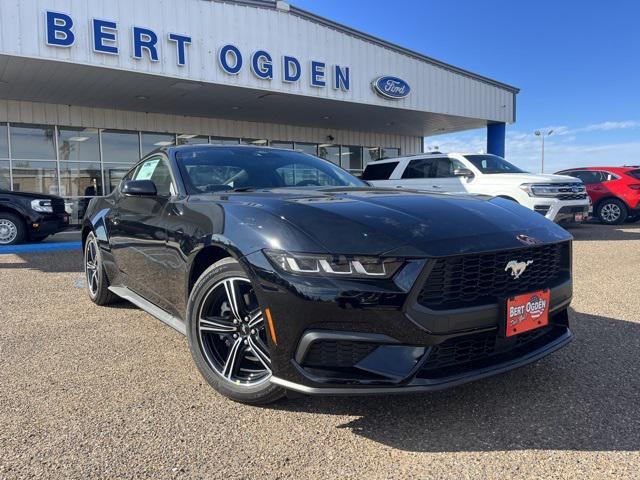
(286, 272)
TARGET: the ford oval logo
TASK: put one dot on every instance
(391, 87)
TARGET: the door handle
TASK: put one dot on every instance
(436, 186)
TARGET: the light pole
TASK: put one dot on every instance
(538, 133)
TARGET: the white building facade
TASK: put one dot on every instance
(87, 87)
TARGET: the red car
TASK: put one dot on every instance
(614, 191)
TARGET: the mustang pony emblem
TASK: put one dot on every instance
(517, 268)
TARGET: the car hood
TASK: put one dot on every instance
(27, 195)
(401, 222)
(512, 178)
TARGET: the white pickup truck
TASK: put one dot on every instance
(557, 197)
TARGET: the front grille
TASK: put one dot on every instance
(572, 196)
(462, 351)
(481, 279)
(337, 353)
(541, 209)
(57, 204)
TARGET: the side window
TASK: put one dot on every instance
(446, 166)
(157, 170)
(128, 176)
(379, 171)
(587, 177)
(420, 168)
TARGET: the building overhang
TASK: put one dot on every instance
(59, 82)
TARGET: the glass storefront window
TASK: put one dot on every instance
(120, 146)
(259, 142)
(187, 139)
(389, 153)
(4, 141)
(75, 143)
(113, 173)
(310, 148)
(5, 178)
(370, 154)
(153, 141)
(80, 179)
(279, 144)
(39, 177)
(225, 140)
(33, 142)
(329, 152)
(351, 158)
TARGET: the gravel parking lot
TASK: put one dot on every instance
(112, 392)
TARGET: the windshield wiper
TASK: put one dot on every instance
(243, 189)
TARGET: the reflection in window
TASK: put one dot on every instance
(225, 140)
(386, 152)
(351, 158)
(154, 141)
(80, 179)
(76, 143)
(310, 148)
(188, 139)
(113, 174)
(39, 177)
(5, 178)
(279, 144)
(329, 152)
(4, 141)
(120, 146)
(33, 142)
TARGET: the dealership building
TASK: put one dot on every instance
(87, 87)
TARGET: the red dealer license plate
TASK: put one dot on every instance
(527, 312)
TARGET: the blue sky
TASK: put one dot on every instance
(577, 64)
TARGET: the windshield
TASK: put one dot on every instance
(207, 170)
(492, 164)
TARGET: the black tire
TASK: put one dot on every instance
(612, 211)
(12, 229)
(96, 279)
(230, 335)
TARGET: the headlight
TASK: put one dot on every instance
(42, 206)
(550, 189)
(334, 265)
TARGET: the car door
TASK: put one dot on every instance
(138, 229)
(444, 179)
(418, 174)
(593, 182)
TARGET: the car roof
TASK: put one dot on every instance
(619, 169)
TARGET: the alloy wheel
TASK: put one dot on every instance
(610, 212)
(232, 333)
(8, 231)
(92, 267)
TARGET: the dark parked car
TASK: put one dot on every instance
(30, 216)
(286, 272)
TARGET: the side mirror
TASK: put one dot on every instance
(139, 188)
(463, 172)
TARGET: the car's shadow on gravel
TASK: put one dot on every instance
(594, 232)
(49, 262)
(584, 397)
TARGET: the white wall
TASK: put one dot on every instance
(213, 24)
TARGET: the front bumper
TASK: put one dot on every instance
(337, 336)
(561, 211)
(41, 225)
